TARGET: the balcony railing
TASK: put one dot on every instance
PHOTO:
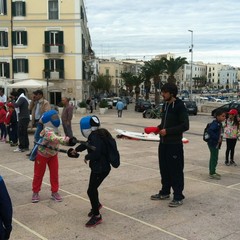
(53, 74)
(57, 49)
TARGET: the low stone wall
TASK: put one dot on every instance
(208, 107)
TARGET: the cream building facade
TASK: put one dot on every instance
(46, 40)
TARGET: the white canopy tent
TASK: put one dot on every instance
(30, 83)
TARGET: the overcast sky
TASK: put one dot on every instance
(139, 28)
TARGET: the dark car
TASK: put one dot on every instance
(191, 107)
(142, 105)
(227, 107)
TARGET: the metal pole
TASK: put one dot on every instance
(191, 49)
(47, 87)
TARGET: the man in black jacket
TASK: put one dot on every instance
(174, 122)
(23, 120)
(6, 212)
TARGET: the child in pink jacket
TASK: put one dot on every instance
(46, 155)
(2, 120)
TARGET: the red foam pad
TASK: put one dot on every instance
(151, 130)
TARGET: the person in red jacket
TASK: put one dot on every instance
(11, 124)
(2, 125)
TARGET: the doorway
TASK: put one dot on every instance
(55, 98)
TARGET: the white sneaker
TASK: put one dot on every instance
(18, 150)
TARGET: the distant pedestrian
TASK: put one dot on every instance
(22, 104)
(91, 105)
(119, 107)
(12, 124)
(38, 106)
(231, 132)
(215, 131)
(2, 122)
(95, 103)
(3, 97)
(67, 115)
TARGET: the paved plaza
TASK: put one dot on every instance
(210, 211)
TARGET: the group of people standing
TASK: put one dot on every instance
(225, 124)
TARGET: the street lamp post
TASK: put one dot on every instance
(191, 50)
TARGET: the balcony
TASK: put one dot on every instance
(53, 50)
(53, 75)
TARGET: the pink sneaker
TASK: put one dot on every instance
(35, 198)
(56, 197)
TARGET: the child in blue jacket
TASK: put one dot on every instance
(215, 132)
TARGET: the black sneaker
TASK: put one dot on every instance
(159, 196)
(227, 163)
(233, 163)
(175, 203)
(90, 214)
(94, 221)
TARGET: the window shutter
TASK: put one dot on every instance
(46, 36)
(46, 68)
(24, 8)
(13, 9)
(61, 64)
(24, 34)
(7, 70)
(26, 65)
(60, 37)
(5, 39)
(14, 38)
(5, 7)
(15, 65)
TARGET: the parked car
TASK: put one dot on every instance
(142, 105)
(227, 107)
(191, 107)
(115, 100)
(125, 103)
(110, 102)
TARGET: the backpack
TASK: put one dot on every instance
(206, 135)
(113, 153)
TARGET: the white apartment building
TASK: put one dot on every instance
(227, 77)
(46, 40)
(183, 75)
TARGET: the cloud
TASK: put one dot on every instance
(143, 28)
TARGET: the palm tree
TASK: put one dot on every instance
(102, 84)
(137, 80)
(128, 81)
(131, 80)
(172, 65)
(153, 69)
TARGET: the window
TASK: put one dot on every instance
(3, 7)
(54, 65)
(18, 9)
(4, 70)
(3, 38)
(19, 38)
(20, 65)
(54, 37)
(53, 9)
